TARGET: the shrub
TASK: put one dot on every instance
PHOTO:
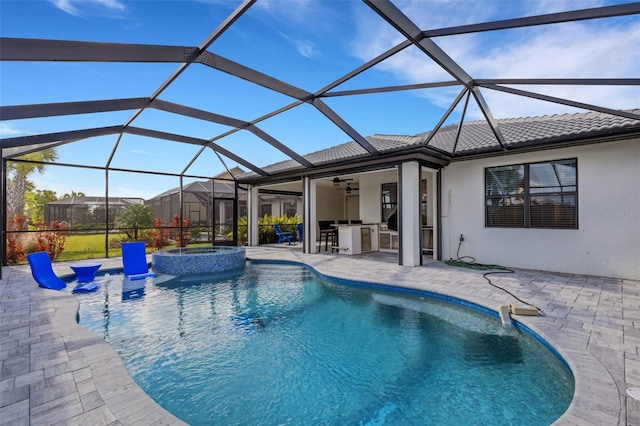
(159, 236)
(15, 252)
(180, 236)
(51, 238)
(116, 242)
(267, 235)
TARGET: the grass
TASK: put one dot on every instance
(88, 246)
(91, 246)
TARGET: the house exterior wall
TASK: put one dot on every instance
(330, 204)
(607, 241)
(370, 185)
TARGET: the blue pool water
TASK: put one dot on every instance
(277, 345)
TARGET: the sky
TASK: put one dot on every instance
(306, 43)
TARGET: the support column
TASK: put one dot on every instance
(410, 214)
(253, 208)
(309, 195)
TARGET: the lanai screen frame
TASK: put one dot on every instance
(471, 89)
(180, 176)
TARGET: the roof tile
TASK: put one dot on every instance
(477, 136)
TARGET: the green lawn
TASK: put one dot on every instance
(88, 246)
(91, 246)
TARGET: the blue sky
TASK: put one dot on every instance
(307, 43)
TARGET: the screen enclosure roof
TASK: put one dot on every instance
(281, 86)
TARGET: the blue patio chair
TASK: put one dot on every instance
(300, 229)
(134, 261)
(42, 271)
(283, 236)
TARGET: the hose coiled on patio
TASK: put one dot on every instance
(470, 262)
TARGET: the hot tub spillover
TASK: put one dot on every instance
(198, 260)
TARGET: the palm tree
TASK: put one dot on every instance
(134, 217)
(18, 183)
(74, 194)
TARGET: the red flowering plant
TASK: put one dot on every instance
(159, 235)
(51, 238)
(15, 252)
(180, 236)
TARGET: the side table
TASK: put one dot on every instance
(85, 272)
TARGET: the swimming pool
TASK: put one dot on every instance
(276, 344)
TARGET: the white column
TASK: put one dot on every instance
(310, 194)
(434, 211)
(253, 210)
(410, 213)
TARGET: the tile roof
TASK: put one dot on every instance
(477, 136)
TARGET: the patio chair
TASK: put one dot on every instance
(300, 229)
(134, 261)
(328, 231)
(42, 271)
(283, 236)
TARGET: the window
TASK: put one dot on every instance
(265, 210)
(389, 200)
(290, 208)
(536, 195)
(423, 203)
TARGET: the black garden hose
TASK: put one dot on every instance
(470, 262)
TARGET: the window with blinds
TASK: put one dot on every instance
(534, 195)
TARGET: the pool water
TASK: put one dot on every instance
(278, 345)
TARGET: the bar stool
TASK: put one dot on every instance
(327, 231)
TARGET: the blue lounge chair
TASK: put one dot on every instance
(42, 271)
(283, 236)
(134, 261)
(300, 229)
(86, 287)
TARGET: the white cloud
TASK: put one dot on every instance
(585, 49)
(80, 7)
(8, 130)
(306, 48)
(296, 12)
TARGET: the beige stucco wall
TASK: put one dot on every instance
(607, 242)
(370, 194)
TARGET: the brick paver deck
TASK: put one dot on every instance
(55, 372)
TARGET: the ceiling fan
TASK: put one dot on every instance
(348, 189)
(337, 181)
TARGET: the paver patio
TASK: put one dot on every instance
(55, 372)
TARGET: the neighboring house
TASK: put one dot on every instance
(214, 198)
(558, 193)
(87, 212)
(201, 201)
